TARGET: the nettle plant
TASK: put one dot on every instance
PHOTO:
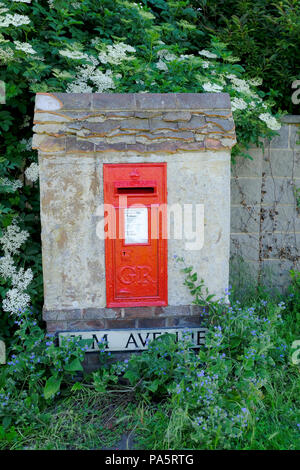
(91, 46)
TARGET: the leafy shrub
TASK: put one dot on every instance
(264, 35)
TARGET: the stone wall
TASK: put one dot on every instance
(75, 135)
(265, 218)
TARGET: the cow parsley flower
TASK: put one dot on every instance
(25, 47)
(209, 55)
(32, 172)
(271, 122)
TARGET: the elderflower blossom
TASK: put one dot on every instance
(6, 55)
(241, 85)
(238, 103)
(27, 143)
(7, 267)
(271, 122)
(205, 64)
(14, 20)
(232, 59)
(212, 87)
(12, 185)
(166, 55)
(21, 279)
(102, 81)
(161, 65)
(13, 238)
(32, 172)
(209, 55)
(77, 55)
(115, 53)
(15, 301)
(25, 47)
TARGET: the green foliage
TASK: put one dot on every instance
(37, 371)
(264, 35)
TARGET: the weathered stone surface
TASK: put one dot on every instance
(203, 100)
(282, 140)
(177, 116)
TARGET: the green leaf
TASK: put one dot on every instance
(74, 366)
(52, 386)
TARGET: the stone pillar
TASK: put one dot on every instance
(75, 134)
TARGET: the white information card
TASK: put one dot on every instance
(136, 225)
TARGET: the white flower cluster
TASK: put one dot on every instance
(21, 279)
(209, 55)
(166, 56)
(12, 185)
(240, 85)
(16, 299)
(22, 1)
(7, 267)
(6, 55)
(161, 65)
(238, 103)
(271, 122)
(25, 47)
(13, 20)
(27, 143)
(32, 172)
(116, 53)
(102, 81)
(13, 238)
(72, 54)
(212, 87)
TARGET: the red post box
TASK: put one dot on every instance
(135, 244)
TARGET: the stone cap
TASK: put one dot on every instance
(132, 122)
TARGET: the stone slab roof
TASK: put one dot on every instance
(139, 123)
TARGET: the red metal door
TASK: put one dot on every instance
(135, 248)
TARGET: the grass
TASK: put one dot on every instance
(85, 421)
